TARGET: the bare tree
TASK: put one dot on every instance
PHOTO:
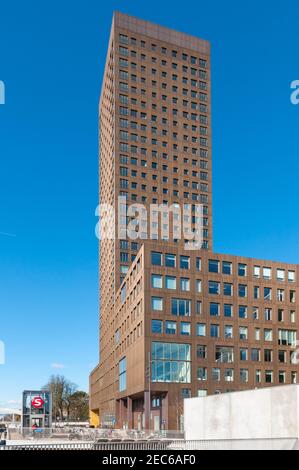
(61, 389)
(69, 390)
(79, 406)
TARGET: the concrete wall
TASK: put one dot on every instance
(265, 413)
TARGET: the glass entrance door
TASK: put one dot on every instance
(37, 422)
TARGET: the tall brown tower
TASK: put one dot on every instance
(188, 317)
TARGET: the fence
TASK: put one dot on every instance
(172, 445)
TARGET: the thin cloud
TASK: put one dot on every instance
(13, 402)
(57, 365)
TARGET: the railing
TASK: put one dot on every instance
(219, 444)
(236, 444)
(132, 445)
(50, 446)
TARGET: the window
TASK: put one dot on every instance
(268, 335)
(267, 293)
(202, 63)
(171, 362)
(117, 336)
(198, 264)
(255, 313)
(198, 285)
(157, 281)
(181, 307)
(156, 259)
(202, 393)
(124, 244)
(200, 329)
(269, 376)
(201, 351)
(280, 295)
(257, 334)
(123, 39)
(255, 354)
(202, 373)
(214, 309)
(242, 311)
(156, 402)
(294, 377)
(258, 376)
(123, 293)
(242, 290)
(229, 375)
(287, 338)
(184, 262)
(282, 357)
(214, 331)
(224, 354)
(268, 314)
(216, 374)
(281, 377)
(185, 328)
(243, 354)
(170, 282)
(124, 257)
(228, 332)
(268, 355)
(243, 332)
(280, 274)
(157, 303)
(291, 276)
(198, 306)
(267, 273)
(186, 393)
(242, 269)
(157, 326)
(256, 271)
(170, 260)
(170, 327)
(213, 266)
(214, 287)
(227, 289)
(243, 375)
(185, 284)
(228, 310)
(227, 267)
(122, 370)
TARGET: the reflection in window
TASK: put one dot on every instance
(123, 374)
(171, 362)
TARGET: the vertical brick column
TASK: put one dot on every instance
(165, 411)
(129, 413)
(147, 410)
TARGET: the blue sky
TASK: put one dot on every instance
(51, 60)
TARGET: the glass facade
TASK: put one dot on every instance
(171, 362)
(37, 409)
(123, 374)
(181, 307)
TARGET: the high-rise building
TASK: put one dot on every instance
(174, 322)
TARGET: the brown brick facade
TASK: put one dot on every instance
(232, 321)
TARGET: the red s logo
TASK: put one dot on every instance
(37, 402)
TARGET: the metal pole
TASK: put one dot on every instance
(149, 388)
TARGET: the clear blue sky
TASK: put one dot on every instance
(51, 60)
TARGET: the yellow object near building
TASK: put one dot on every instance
(94, 419)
